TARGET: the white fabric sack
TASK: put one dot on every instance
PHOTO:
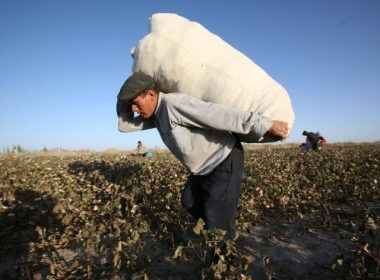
(183, 56)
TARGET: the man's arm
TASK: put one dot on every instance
(127, 123)
(197, 113)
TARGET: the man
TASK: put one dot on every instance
(201, 135)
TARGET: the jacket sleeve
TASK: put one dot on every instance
(197, 113)
(129, 124)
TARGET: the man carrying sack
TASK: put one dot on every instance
(201, 135)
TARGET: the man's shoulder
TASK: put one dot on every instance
(173, 96)
(174, 99)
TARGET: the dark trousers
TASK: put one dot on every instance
(214, 197)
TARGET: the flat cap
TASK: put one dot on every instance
(134, 85)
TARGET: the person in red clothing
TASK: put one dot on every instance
(321, 140)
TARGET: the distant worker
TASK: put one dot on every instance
(312, 141)
(201, 135)
(142, 150)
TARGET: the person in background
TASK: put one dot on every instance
(201, 135)
(142, 150)
(313, 141)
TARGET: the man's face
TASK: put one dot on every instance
(145, 104)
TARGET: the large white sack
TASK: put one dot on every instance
(183, 56)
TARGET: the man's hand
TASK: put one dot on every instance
(124, 110)
(279, 130)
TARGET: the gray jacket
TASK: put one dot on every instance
(198, 133)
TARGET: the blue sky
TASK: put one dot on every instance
(62, 63)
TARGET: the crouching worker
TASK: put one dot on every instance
(313, 142)
(143, 151)
(200, 135)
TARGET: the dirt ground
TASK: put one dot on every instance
(301, 249)
(286, 251)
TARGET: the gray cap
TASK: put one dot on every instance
(134, 85)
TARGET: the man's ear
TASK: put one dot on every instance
(152, 93)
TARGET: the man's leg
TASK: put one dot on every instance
(221, 191)
(191, 197)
